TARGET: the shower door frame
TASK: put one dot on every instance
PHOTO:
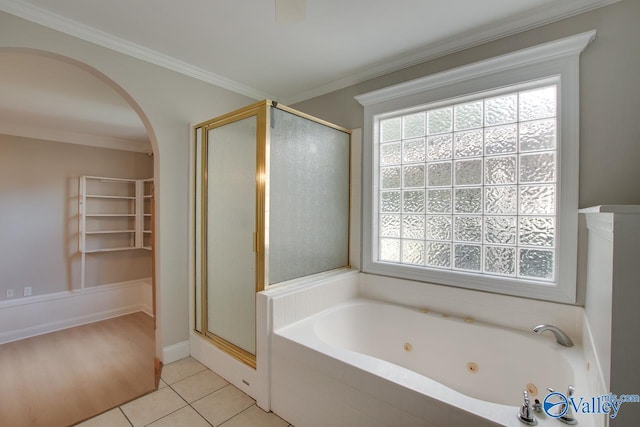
(262, 111)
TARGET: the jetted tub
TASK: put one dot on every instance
(365, 362)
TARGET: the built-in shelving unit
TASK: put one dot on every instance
(147, 209)
(114, 215)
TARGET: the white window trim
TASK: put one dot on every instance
(559, 60)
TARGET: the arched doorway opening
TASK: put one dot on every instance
(62, 119)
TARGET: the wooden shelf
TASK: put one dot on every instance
(108, 215)
(113, 197)
(109, 179)
(99, 196)
(110, 232)
(125, 248)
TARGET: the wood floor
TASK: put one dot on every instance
(64, 377)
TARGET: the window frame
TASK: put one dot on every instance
(556, 61)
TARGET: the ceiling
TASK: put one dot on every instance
(241, 46)
(68, 104)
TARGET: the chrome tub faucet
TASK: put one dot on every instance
(561, 337)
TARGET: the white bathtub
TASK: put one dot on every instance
(369, 363)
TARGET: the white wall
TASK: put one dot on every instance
(169, 102)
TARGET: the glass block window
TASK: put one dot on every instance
(472, 186)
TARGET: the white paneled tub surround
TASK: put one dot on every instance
(364, 362)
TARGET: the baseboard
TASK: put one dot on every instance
(175, 352)
(27, 317)
(147, 310)
(147, 298)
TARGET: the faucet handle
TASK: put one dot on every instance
(537, 406)
(526, 411)
(568, 417)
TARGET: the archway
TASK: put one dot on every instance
(70, 135)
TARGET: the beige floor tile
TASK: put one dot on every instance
(181, 369)
(161, 384)
(185, 417)
(199, 385)
(255, 416)
(112, 418)
(153, 406)
(218, 407)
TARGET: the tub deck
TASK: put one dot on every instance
(422, 367)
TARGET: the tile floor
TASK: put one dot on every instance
(190, 395)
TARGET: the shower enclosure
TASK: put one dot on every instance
(272, 205)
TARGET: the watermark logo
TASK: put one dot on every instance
(557, 405)
(552, 401)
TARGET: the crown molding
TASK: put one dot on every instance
(476, 37)
(566, 47)
(523, 22)
(77, 29)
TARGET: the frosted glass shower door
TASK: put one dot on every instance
(231, 223)
(272, 204)
(309, 197)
